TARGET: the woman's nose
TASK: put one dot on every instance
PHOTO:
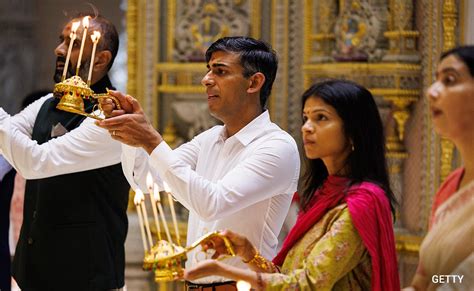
(307, 127)
(434, 90)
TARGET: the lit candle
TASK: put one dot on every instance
(243, 285)
(173, 213)
(72, 36)
(85, 24)
(95, 39)
(137, 200)
(149, 184)
(145, 218)
(162, 214)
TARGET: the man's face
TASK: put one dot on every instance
(226, 87)
(62, 49)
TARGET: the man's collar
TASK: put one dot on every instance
(252, 130)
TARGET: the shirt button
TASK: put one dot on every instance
(30, 241)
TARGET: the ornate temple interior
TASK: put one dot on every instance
(389, 46)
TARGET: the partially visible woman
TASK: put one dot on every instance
(448, 246)
(343, 238)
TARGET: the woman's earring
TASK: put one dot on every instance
(352, 147)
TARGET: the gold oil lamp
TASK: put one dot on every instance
(73, 90)
(167, 259)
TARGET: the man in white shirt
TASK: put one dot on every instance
(239, 176)
(76, 196)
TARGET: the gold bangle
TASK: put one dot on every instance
(261, 262)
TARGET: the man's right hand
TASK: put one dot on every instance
(110, 108)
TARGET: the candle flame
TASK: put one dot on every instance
(138, 197)
(149, 181)
(156, 192)
(243, 285)
(85, 21)
(95, 36)
(167, 187)
(75, 26)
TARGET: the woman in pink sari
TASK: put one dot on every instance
(343, 238)
(448, 247)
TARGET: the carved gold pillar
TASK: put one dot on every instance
(132, 46)
(449, 24)
(401, 36)
(449, 41)
(396, 152)
(324, 37)
(169, 134)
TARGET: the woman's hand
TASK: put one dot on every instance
(204, 269)
(242, 246)
(215, 268)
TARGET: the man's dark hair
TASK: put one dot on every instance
(255, 56)
(465, 54)
(109, 39)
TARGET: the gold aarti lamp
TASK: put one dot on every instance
(74, 90)
(165, 258)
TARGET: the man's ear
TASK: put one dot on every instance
(102, 61)
(256, 82)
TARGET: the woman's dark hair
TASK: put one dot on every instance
(255, 56)
(463, 53)
(363, 126)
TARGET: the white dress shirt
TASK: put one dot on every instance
(243, 183)
(85, 148)
(4, 168)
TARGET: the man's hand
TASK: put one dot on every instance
(133, 128)
(109, 107)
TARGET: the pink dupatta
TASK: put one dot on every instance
(370, 212)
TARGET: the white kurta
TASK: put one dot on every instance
(85, 148)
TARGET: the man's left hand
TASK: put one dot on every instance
(133, 129)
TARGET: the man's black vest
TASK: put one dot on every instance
(74, 225)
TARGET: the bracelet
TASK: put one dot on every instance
(261, 262)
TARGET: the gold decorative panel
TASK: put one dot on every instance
(191, 27)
